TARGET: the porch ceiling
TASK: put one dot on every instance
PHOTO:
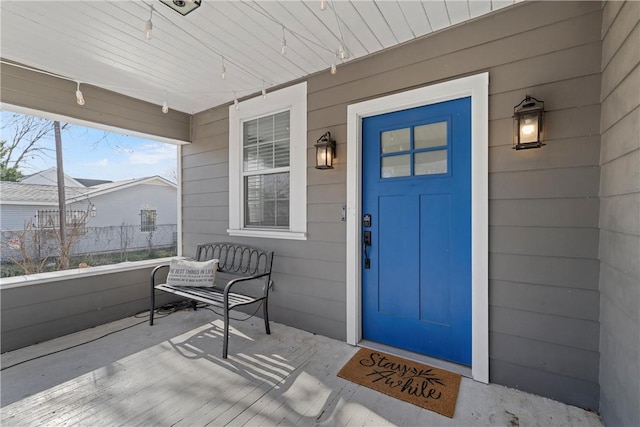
(102, 43)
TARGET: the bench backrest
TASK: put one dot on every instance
(237, 258)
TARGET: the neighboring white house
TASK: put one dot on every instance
(113, 216)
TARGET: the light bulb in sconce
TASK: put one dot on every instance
(79, 96)
(528, 129)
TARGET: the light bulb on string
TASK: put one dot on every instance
(334, 69)
(79, 96)
(283, 49)
(323, 4)
(264, 91)
(235, 102)
(148, 26)
(223, 71)
(165, 105)
(342, 53)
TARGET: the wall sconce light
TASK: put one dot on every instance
(93, 211)
(183, 7)
(325, 152)
(528, 126)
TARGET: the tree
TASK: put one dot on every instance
(9, 174)
(25, 138)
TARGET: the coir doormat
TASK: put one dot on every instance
(428, 387)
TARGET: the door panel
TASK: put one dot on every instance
(416, 185)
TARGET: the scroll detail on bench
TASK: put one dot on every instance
(237, 263)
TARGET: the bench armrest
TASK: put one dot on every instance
(155, 270)
(228, 286)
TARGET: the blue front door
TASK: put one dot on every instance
(416, 277)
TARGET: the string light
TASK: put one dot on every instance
(79, 96)
(148, 26)
(283, 49)
(323, 4)
(342, 53)
(223, 71)
(235, 102)
(264, 91)
(334, 69)
(165, 105)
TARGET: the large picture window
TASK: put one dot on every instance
(268, 165)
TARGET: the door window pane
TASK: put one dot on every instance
(396, 140)
(394, 166)
(428, 136)
(430, 162)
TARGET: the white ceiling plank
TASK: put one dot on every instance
(416, 17)
(259, 46)
(371, 14)
(102, 43)
(479, 7)
(359, 37)
(499, 4)
(437, 13)
(396, 20)
(458, 10)
(299, 39)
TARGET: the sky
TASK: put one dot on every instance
(97, 154)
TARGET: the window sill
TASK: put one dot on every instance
(74, 273)
(268, 234)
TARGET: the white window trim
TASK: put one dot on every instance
(477, 87)
(294, 99)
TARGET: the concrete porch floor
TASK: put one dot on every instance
(127, 373)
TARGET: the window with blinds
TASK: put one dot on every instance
(266, 171)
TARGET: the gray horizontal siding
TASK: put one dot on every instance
(543, 203)
(619, 246)
(42, 92)
(545, 383)
(36, 313)
(577, 273)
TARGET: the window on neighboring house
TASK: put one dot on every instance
(76, 221)
(148, 220)
(267, 165)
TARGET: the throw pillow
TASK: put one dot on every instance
(183, 272)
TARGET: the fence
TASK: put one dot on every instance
(96, 245)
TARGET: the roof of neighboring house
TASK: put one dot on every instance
(17, 192)
(50, 177)
(91, 182)
(36, 194)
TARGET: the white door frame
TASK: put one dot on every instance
(477, 87)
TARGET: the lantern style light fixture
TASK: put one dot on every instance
(183, 7)
(325, 152)
(528, 127)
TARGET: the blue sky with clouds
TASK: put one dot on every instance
(97, 154)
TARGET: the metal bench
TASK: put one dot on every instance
(238, 263)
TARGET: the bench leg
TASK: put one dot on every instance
(225, 343)
(266, 316)
(153, 306)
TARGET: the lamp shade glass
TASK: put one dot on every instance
(528, 124)
(325, 152)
